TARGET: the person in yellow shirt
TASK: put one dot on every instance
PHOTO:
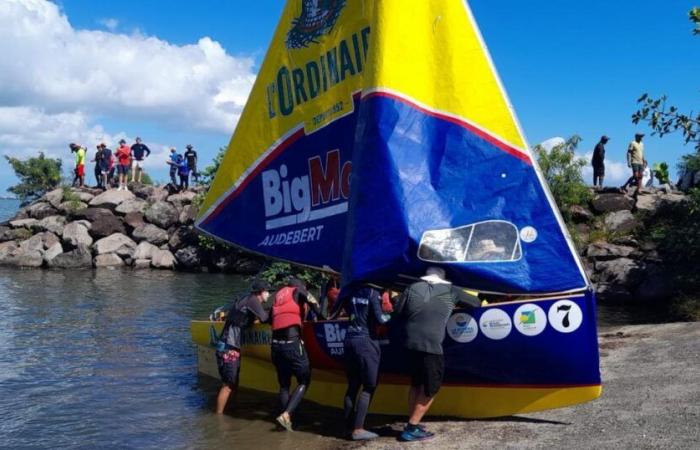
(635, 159)
(79, 151)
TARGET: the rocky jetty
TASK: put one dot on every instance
(146, 227)
(616, 247)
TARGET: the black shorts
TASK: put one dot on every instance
(229, 366)
(427, 370)
(362, 356)
(599, 171)
(290, 359)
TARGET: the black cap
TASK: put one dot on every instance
(638, 134)
(189, 146)
(295, 282)
(260, 285)
(122, 141)
(605, 138)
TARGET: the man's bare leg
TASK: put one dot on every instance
(422, 405)
(222, 398)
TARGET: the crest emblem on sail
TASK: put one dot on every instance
(386, 146)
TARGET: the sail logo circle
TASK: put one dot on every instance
(495, 324)
(316, 19)
(462, 328)
(565, 316)
(528, 234)
(530, 319)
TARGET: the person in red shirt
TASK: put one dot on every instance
(123, 164)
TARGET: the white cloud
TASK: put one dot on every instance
(47, 64)
(110, 23)
(616, 173)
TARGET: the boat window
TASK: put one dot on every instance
(491, 241)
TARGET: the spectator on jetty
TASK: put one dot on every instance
(191, 157)
(79, 177)
(183, 171)
(139, 152)
(173, 166)
(598, 162)
(123, 164)
(241, 315)
(107, 166)
(424, 307)
(99, 155)
(635, 160)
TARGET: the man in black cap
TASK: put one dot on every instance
(241, 315)
(191, 158)
(598, 162)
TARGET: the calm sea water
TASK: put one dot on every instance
(8, 208)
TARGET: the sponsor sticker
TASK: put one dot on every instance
(495, 324)
(528, 234)
(565, 316)
(530, 319)
(462, 328)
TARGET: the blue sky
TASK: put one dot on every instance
(568, 66)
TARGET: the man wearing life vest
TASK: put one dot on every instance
(288, 352)
(241, 315)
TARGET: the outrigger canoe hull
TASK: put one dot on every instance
(546, 358)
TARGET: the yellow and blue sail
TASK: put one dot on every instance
(378, 141)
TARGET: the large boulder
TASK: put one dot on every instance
(673, 198)
(188, 214)
(111, 198)
(108, 260)
(579, 214)
(142, 264)
(70, 208)
(80, 257)
(40, 210)
(151, 233)
(17, 234)
(24, 258)
(604, 203)
(116, 243)
(189, 258)
(183, 237)
(162, 214)
(76, 233)
(622, 271)
(647, 202)
(53, 224)
(162, 259)
(85, 197)
(134, 220)
(621, 221)
(132, 206)
(150, 193)
(6, 248)
(23, 223)
(603, 251)
(52, 252)
(144, 251)
(54, 198)
(107, 226)
(92, 214)
(182, 198)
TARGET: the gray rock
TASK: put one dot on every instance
(673, 198)
(612, 292)
(111, 198)
(84, 196)
(188, 258)
(163, 259)
(623, 271)
(15, 235)
(53, 252)
(40, 210)
(92, 214)
(579, 214)
(612, 202)
(132, 206)
(647, 202)
(162, 214)
(134, 220)
(183, 237)
(150, 233)
(54, 198)
(621, 221)
(183, 198)
(625, 240)
(116, 243)
(81, 257)
(151, 193)
(69, 208)
(108, 260)
(30, 258)
(53, 224)
(142, 264)
(144, 250)
(6, 248)
(107, 226)
(188, 214)
(603, 251)
(23, 223)
(75, 234)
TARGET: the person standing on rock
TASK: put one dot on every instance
(106, 166)
(123, 164)
(241, 315)
(598, 162)
(173, 162)
(99, 155)
(424, 308)
(191, 158)
(79, 178)
(139, 152)
(635, 160)
(183, 171)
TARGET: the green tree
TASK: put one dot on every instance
(207, 175)
(562, 171)
(37, 176)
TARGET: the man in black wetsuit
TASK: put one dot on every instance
(288, 352)
(362, 354)
(139, 152)
(425, 307)
(241, 315)
(191, 158)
